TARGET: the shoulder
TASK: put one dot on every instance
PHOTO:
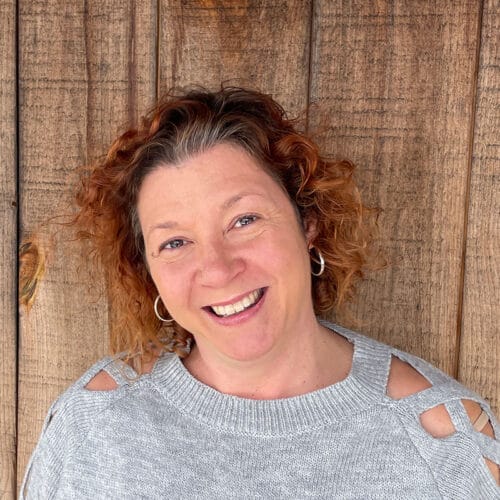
(405, 381)
(97, 390)
(83, 400)
(436, 407)
(451, 408)
(107, 388)
(106, 382)
(115, 373)
(67, 423)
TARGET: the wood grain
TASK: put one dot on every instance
(85, 69)
(391, 88)
(391, 85)
(260, 44)
(8, 244)
(480, 341)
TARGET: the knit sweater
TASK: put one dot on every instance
(167, 435)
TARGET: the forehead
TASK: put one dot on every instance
(222, 174)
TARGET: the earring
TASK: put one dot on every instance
(158, 315)
(321, 262)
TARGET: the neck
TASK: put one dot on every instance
(313, 360)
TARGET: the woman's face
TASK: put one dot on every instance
(227, 253)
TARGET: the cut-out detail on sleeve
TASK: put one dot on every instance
(437, 422)
(483, 425)
(119, 373)
(404, 381)
(494, 469)
(103, 381)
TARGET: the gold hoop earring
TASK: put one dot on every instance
(320, 260)
(158, 315)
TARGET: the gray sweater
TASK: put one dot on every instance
(166, 435)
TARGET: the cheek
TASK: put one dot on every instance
(283, 250)
(154, 270)
(171, 281)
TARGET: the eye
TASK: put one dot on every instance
(173, 244)
(246, 220)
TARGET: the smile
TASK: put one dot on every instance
(236, 307)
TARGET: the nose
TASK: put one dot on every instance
(218, 265)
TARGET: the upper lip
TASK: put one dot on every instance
(236, 298)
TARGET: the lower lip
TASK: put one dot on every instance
(241, 317)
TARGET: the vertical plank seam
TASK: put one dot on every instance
(88, 73)
(132, 67)
(157, 51)
(309, 63)
(467, 201)
(18, 235)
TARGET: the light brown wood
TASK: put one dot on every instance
(260, 44)
(85, 69)
(8, 244)
(393, 83)
(480, 341)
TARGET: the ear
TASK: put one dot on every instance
(310, 229)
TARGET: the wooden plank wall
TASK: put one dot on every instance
(408, 90)
(479, 349)
(8, 243)
(397, 98)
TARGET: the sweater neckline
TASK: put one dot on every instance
(363, 387)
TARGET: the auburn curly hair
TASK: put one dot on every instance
(184, 124)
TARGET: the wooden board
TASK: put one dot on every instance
(8, 244)
(85, 68)
(480, 341)
(389, 84)
(259, 44)
(393, 83)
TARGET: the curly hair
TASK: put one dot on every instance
(185, 124)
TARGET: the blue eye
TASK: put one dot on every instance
(172, 244)
(246, 220)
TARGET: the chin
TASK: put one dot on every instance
(248, 349)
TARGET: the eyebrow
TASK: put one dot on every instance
(163, 225)
(236, 198)
(226, 205)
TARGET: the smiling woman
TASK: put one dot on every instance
(224, 236)
(233, 238)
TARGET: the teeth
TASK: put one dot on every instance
(237, 307)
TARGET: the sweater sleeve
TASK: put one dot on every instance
(65, 427)
(45, 465)
(458, 460)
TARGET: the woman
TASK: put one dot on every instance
(223, 233)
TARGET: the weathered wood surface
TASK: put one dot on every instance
(85, 69)
(260, 44)
(480, 341)
(393, 84)
(8, 244)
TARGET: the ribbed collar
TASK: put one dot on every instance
(362, 388)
